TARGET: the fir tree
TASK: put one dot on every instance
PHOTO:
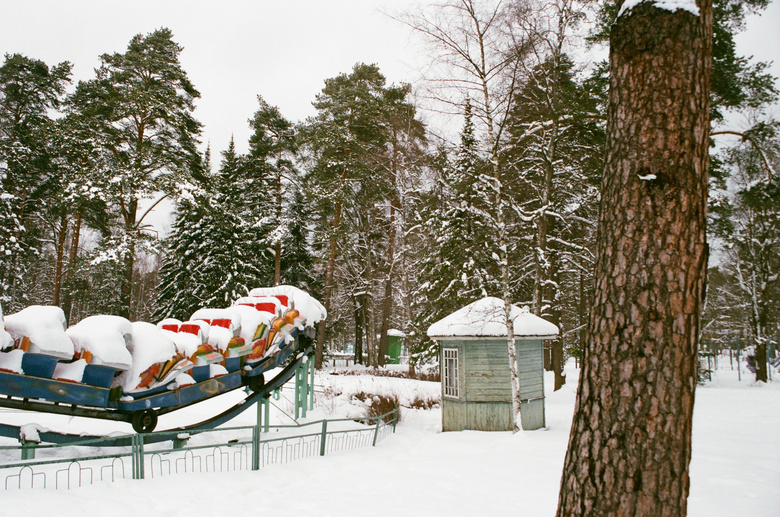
(212, 255)
(30, 91)
(297, 260)
(460, 267)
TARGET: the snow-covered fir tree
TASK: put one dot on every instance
(212, 255)
(30, 93)
(460, 266)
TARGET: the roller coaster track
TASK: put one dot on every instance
(14, 432)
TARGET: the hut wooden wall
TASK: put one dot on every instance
(485, 399)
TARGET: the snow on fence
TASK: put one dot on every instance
(165, 453)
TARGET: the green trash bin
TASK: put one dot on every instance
(395, 345)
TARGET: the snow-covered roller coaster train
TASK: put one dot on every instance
(107, 367)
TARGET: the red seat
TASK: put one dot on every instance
(190, 328)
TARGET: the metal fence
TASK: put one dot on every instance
(156, 455)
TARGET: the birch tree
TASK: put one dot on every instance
(479, 61)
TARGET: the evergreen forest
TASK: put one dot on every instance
(387, 222)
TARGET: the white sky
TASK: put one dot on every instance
(233, 49)
(236, 49)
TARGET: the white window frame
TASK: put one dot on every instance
(450, 372)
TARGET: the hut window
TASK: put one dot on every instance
(450, 372)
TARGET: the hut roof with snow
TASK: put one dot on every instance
(486, 318)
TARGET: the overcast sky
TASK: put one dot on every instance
(233, 49)
(236, 49)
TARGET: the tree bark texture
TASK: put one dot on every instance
(319, 349)
(67, 299)
(60, 254)
(387, 300)
(630, 442)
(360, 324)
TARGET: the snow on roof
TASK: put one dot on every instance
(106, 338)
(307, 305)
(45, 327)
(485, 318)
(396, 333)
(149, 345)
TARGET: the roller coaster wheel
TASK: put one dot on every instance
(256, 382)
(144, 421)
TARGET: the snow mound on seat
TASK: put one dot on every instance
(220, 314)
(107, 338)
(255, 301)
(45, 328)
(11, 361)
(306, 304)
(150, 345)
(185, 342)
(70, 371)
(250, 320)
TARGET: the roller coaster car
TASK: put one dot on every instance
(38, 334)
(192, 340)
(156, 360)
(225, 334)
(106, 367)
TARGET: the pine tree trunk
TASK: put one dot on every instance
(128, 262)
(387, 300)
(326, 299)
(278, 245)
(360, 324)
(759, 330)
(60, 254)
(630, 442)
(761, 366)
(553, 315)
(67, 298)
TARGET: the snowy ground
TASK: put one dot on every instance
(420, 471)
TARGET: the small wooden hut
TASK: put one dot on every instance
(475, 376)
